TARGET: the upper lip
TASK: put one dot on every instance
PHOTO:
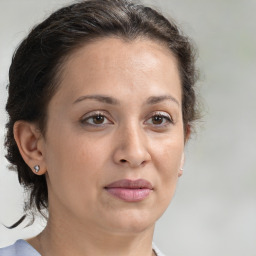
(130, 184)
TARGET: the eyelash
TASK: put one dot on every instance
(85, 119)
(162, 115)
(168, 119)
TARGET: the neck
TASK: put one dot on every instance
(70, 238)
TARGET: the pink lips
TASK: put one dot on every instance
(130, 190)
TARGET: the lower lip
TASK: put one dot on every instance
(130, 195)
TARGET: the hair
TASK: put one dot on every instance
(35, 70)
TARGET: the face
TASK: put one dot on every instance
(114, 142)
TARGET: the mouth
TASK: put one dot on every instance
(130, 190)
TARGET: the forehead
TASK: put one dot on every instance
(112, 63)
(110, 50)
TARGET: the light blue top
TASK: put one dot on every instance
(23, 248)
(20, 248)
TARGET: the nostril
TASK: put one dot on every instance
(123, 160)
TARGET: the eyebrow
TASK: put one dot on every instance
(100, 98)
(157, 99)
(109, 100)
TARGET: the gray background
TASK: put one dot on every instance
(214, 209)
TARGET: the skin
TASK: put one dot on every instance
(80, 155)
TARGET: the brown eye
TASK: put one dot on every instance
(157, 120)
(160, 119)
(99, 119)
(96, 119)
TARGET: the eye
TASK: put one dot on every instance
(95, 119)
(160, 119)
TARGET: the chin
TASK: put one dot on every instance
(132, 227)
(130, 222)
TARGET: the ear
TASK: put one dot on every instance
(30, 143)
(180, 172)
(187, 136)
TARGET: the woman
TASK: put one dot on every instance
(101, 103)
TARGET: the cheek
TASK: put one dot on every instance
(69, 158)
(167, 160)
(75, 161)
(168, 155)
(72, 174)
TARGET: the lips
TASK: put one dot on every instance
(130, 190)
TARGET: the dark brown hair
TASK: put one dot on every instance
(36, 65)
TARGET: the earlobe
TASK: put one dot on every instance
(27, 137)
(180, 172)
(187, 136)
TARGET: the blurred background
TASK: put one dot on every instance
(214, 209)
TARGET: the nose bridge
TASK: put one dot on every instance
(132, 145)
(134, 138)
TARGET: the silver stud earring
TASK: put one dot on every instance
(37, 168)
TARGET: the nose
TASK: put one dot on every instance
(131, 147)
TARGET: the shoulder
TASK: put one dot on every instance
(19, 248)
(156, 250)
(22, 248)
